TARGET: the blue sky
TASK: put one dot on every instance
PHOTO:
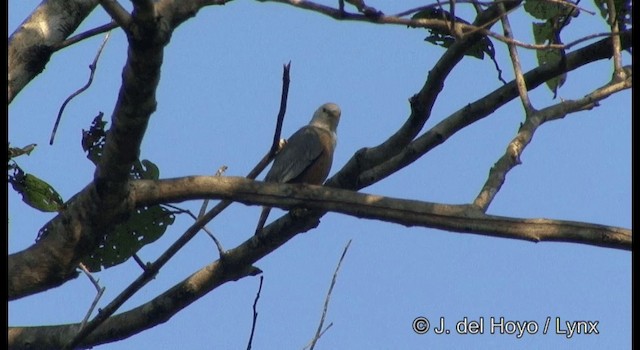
(217, 101)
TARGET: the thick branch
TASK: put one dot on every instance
(31, 45)
(238, 261)
(456, 218)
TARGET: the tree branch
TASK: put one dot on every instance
(319, 331)
(118, 13)
(421, 106)
(515, 60)
(480, 109)
(31, 44)
(238, 262)
(92, 70)
(511, 158)
(456, 218)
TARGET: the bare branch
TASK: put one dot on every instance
(92, 68)
(319, 331)
(255, 313)
(456, 218)
(517, 69)
(477, 4)
(139, 261)
(277, 144)
(30, 47)
(205, 203)
(239, 260)
(204, 228)
(85, 35)
(118, 13)
(99, 290)
(511, 158)
(617, 50)
(421, 106)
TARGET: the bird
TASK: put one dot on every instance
(307, 155)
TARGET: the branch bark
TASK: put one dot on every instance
(456, 218)
(31, 45)
(238, 262)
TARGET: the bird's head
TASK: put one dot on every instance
(327, 117)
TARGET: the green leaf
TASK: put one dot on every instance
(623, 12)
(544, 33)
(145, 170)
(445, 39)
(35, 192)
(542, 9)
(552, 56)
(93, 140)
(145, 226)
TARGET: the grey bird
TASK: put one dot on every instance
(308, 154)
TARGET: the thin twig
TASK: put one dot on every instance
(205, 203)
(517, 69)
(255, 313)
(139, 261)
(204, 228)
(326, 301)
(466, 28)
(100, 291)
(276, 145)
(92, 68)
(321, 334)
(286, 79)
(476, 4)
(85, 35)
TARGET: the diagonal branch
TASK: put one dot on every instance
(483, 108)
(511, 158)
(32, 44)
(319, 331)
(517, 69)
(421, 105)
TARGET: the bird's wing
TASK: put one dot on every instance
(301, 150)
